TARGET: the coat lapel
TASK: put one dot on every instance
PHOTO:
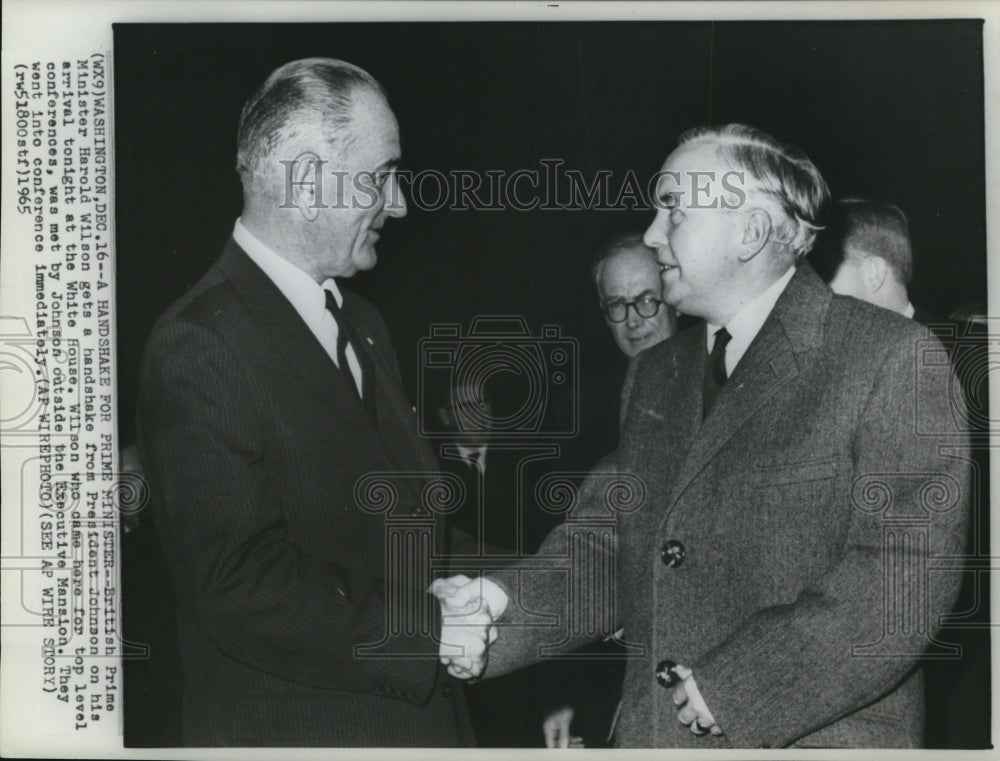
(771, 362)
(666, 420)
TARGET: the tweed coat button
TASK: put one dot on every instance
(672, 553)
(666, 674)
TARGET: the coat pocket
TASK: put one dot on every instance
(779, 473)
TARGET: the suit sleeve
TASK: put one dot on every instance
(260, 599)
(792, 669)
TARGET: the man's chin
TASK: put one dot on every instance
(636, 346)
(365, 259)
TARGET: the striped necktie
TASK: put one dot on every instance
(347, 333)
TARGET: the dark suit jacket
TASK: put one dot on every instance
(829, 476)
(253, 443)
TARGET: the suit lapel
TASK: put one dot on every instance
(396, 421)
(289, 336)
(286, 333)
(772, 361)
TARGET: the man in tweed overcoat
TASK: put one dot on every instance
(805, 482)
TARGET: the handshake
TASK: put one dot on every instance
(469, 609)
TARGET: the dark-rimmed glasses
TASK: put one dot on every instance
(646, 307)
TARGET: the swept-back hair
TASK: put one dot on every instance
(300, 96)
(782, 173)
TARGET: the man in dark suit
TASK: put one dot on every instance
(805, 481)
(271, 422)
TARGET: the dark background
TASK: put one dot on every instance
(891, 111)
(887, 110)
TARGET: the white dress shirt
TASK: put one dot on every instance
(303, 293)
(746, 324)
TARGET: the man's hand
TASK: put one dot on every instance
(693, 712)
(468, 609)
(556, 729)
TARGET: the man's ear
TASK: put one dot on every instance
(307, 185)
(875, 271)
(756, 232)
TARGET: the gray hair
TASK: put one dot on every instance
(303, 95)
(618, 244)
(783, 173)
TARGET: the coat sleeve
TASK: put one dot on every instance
(258, 597)
(841, 644)
(533, 590)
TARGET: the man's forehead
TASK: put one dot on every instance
(690, 156)
(701, 157)
(631, 268)
(695, 172)
(373, 122)
(631, 260)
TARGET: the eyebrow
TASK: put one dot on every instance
(645, 294)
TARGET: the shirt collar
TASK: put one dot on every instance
(297, 286)
(746, 324)
(910, 310)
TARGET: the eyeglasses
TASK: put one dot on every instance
(617, 311)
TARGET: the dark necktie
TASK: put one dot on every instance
(715, 372)
(347, 332)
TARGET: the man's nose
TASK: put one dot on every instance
(655, 236)
(633, 318)
(395, 201)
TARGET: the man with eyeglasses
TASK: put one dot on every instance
(627, 276)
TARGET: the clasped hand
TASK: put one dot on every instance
(691, 709)
(469, 608)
